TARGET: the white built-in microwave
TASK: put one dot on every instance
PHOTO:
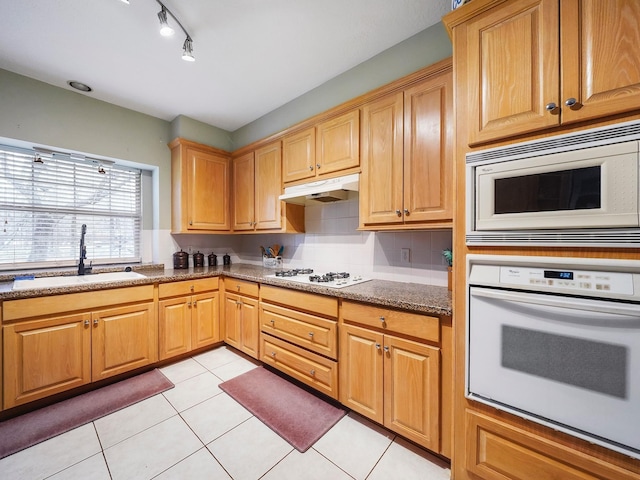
(556, 192)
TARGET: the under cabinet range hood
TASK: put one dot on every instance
(322, 191)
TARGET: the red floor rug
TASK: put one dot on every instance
(34, 427)
(295, 414)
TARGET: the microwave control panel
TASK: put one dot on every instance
(578, 281)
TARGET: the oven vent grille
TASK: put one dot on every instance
(623, 238)
(622, 132)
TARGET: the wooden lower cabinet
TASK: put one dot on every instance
(394, 381)
(46, 354)
(497, 450)
(188, 322)
(315, 370)
(241, 323)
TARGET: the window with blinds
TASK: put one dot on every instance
(45, 200)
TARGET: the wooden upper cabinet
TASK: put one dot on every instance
(244, 192)
(529, 65)
(600, 57)
(200, 188)
(329, 147)
(407, 158)
(268, 186)
(338, 143)
(257, 185)
(299, 155)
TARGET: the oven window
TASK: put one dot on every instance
(597, 366)
(575, 189)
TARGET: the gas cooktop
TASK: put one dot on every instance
(328, 279)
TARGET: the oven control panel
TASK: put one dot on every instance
(552, 279)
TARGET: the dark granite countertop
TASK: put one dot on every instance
(407, 296)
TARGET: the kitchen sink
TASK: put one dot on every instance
(70, 280)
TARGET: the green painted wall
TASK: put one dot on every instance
(423, 49)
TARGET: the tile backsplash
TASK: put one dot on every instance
(331, 243)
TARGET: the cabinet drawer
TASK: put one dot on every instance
(308, 331)
(242, 287)
(314, 370)
(187, 287)
(393, 321)
(309, 302)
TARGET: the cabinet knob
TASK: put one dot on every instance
(238, 287)
(381, 319)
(195, 303)
(551, 106)
(192, 288)
(273, 354)
(311, 168)
(398, 212)
(273, 322)
(570, 102)
(190, 222)
(311, 334)
(86, 323)
(318, 166)
(386, 349)
(312, 372)
(377, 346)
(406, 212)
(189, 304)
(95, 321)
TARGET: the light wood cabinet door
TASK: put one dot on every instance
(46, 357)
(244, 192)
(428, 150)
(242, 329)
(268, 187)
(338, 143)
(600, 58)
(299, 155)
(248, 310)
(208, 194)
(382, 183)
(123, 339)
(361, 371)
(174, 327)
(205, 320)
(512, 59)
(200, 188)
(412, 390)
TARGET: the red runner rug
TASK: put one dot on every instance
(298, 416)
(34, 427)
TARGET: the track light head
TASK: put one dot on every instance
(165, 28)
(187, 50)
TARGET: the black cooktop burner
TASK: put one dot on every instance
(328, 277)
(294, 272)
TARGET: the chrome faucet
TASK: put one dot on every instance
(83, 254)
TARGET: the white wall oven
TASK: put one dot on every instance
(580, 189)
(557, 341)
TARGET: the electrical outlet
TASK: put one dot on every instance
(405, 256)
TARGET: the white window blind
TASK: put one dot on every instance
(45, 200)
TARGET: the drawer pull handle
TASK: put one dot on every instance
(377, 346)
(312, 372)
(311, 334)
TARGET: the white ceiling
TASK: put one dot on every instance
(252, 56)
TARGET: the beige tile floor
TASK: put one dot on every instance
(196, 431)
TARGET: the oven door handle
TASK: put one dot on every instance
(576, 310)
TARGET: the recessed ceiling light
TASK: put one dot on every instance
(83, 87)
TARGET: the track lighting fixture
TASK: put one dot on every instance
(187, 47)
(165, 28)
